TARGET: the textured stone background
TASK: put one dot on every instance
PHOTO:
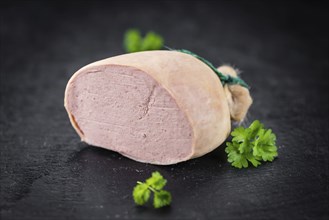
(46, 173)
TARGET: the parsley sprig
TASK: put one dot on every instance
(134, 42)
(142, 191)
(253, 145)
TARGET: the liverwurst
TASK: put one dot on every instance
(158, 107)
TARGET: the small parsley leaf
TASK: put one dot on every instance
(155, 183)
(141, 194)
(253, 144)
(264, 145)
(134, 42)
(152, 41)
(161, 198)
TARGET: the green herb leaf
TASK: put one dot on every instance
(242, 137)
(152, 41)
(141, 194)
(264, 145)
(133, 41)
(253, 144)
(155, 183)
(161, 198)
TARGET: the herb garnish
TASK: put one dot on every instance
(134, 42)
(142, 191)
(253, 144)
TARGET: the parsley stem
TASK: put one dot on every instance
(153, 190)
(149, 187)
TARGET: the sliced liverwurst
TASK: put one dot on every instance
(159, 107)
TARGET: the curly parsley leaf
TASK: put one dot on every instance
(152, 41)
(155, 183)
(251, 145)
(241, 136)
(134, 42)
(264, 145)
(141, 194)
(161, 198)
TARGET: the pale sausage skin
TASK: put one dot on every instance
(159, 107)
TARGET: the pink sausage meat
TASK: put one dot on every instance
(158, 107)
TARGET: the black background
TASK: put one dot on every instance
(282, 48)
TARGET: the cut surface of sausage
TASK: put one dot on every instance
(124, 109)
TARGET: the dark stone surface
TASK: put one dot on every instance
(46, 173)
